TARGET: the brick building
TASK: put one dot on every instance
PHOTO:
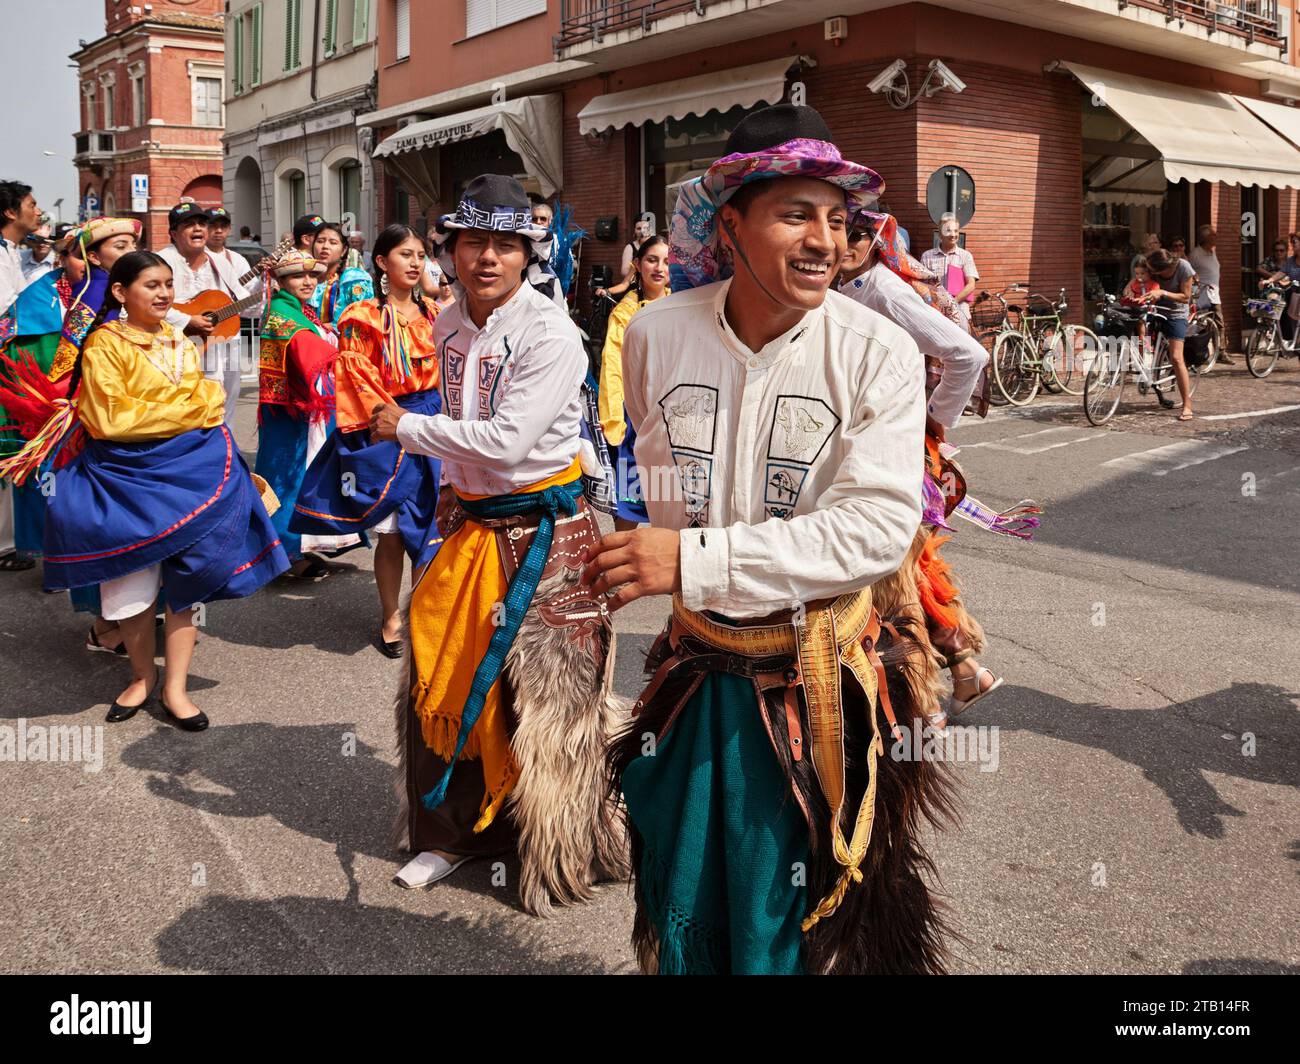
(1068, 172)
(151, 106)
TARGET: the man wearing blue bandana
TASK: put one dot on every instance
(509, 709)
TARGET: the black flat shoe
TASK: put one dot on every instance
(393, 649)
(118, 713)
(198, 722)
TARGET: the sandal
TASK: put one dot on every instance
(957, 706)
(314, 572)
(93, 643)
(11, 563)
(1186, 415)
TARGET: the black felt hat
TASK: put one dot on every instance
(496, 202)
(775, 125)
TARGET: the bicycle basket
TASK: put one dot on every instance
(986, 313)
(1196, 348)
(1265, 308)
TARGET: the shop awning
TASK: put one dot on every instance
(533, 126)
(1286, 120)
(739, 87)
(1200, 135)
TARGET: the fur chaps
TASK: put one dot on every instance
(564, 712)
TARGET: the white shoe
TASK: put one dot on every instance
(956, 706)
(426, 870)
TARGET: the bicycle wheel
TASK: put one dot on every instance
(1216, 345)
(1051, 354)
(1014, 368)
(1263, 349)
(988, 339)
(1103, 385)
(1082, 346)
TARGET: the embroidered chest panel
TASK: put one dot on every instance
(491, 380)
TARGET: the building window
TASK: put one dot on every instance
(207, 101)
(110, 114)
(246, 40)
(360, 21)
(297, 182)
(331, 26)
(350, 191)
(402, 35)
(139, 112)
(484, 15)
(88, 90)
(292, 34)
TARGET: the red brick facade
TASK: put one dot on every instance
(170, 47)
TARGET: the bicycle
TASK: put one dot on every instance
(1034, 351)
(1266, 343)
(1103, 385)
(1206, 320)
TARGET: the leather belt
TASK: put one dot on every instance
(805, 650)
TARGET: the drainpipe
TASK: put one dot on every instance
(315, 45)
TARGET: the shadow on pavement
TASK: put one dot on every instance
(1163, 745)
(1239, 966)
(297, 934)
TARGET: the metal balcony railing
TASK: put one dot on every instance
(1254, 20)
(590, 20)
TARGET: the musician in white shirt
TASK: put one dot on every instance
(194, 271)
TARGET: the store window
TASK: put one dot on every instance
(679, 149)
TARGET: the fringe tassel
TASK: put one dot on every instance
(937, 591)
(1019, 520)
(41, 446)
(397, 361)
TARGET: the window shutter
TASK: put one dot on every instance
(480, 16)
(508, 11)
(331, 26)
(292, 20)
(257, 46)
(238, 80)
(403, 34)
(360, 21)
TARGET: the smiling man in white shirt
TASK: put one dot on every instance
(779, 438)
(510, 709)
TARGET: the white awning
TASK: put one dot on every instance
(533, 126)
(739, 87)
(1286, 120)
(1201, 135)
(1121, 179)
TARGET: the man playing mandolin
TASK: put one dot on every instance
(194, 273)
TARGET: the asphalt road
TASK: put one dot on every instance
(1142, 816)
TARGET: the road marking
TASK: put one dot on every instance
(1001, 445)
(1248, 413)
(1159, 461)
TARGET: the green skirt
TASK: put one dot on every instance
(725, 853)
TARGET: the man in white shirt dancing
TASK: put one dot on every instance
(509, 710)
(779, 437)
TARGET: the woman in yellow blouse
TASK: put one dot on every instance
(386, 355)
(159, 498)
(649, 282)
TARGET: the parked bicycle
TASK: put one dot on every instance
(1040, 349)
(1266, 343)
(1145, 357)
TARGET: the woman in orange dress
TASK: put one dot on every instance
(386, 355)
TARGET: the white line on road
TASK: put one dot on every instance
(1159, 461)
(1248, 413)
(1002, 445)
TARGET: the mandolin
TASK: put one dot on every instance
(220, 309)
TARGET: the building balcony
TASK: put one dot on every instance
(1230, 35)
(93, 147)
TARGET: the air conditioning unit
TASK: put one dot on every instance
(837, 29)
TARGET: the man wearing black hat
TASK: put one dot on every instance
(193, 272)
(510, 710)
(782, 476)
(305, 230)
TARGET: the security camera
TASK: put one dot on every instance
(886, 77)
(946, 78)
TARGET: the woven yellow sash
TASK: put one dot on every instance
(829, 637)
